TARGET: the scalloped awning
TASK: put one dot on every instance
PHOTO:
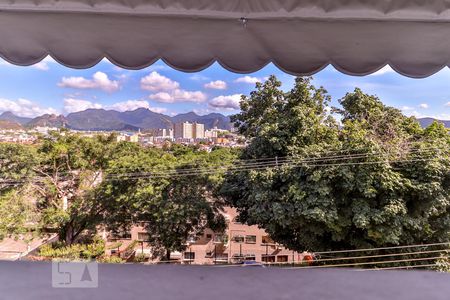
(300, 37)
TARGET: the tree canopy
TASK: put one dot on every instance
(377, 179)
(74, 186)
(173, 207)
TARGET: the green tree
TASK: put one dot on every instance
(18, 215)
(172, 208)
(69, 174)
(378, 180)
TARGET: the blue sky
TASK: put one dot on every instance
(48, 87)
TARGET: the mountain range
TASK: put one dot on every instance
(141, 118)
(111, 120)
(425, 122)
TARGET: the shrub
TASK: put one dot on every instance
(110, 260)
(140, 258)
(75, 251)
(442, 265)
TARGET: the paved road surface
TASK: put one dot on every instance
(32, 280)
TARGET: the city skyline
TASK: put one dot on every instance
(53, 88)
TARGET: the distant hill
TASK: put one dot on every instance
(9, 125)
(97, 119)
(211, 120)
(425, 122)
(47, 120)
(9, 116)
(145, 119)
(111, 120)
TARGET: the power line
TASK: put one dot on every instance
(385, 248)
(190, 171)
(273, 163)
(119, 177)
(381, 255)
(402, 267)
(372, 263)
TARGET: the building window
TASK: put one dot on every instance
(282, 258)
(236, 258)
(189, 255)
(143, 236)
(250, 257)
(238, 238)
(222, 257)
(250, 239)
(120, 235)
(268, 258)
(267, 240)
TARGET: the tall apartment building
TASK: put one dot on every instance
(238, 243)
(182, 130)
(162, 132)
(198, 131)
(186, 130)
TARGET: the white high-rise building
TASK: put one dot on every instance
(198, 131)
(186, 130)
(183, 130)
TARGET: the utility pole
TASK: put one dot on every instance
(215, 253)
(240, 251)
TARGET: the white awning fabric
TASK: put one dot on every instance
(299, 36)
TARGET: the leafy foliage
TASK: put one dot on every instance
(17, 216)
(172, 208)
(74, 252)
(391, 185)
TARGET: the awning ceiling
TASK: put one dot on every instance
(300, 37)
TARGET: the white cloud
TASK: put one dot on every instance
(447, 104)
(158, 67)
(204, 111)
(72, 105)
(162, 97)
(407, 108)
(226, 102)
(423, 105)
(248, 79)
(386, 69)
(441, 116)
(99, 81)
(168, 90)
(198, 77)
(129, 105)
(216, 85)
(24, 108)
(42, 65)
(178, 95)
(156, 82)
(414, 113)
(159, 110)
